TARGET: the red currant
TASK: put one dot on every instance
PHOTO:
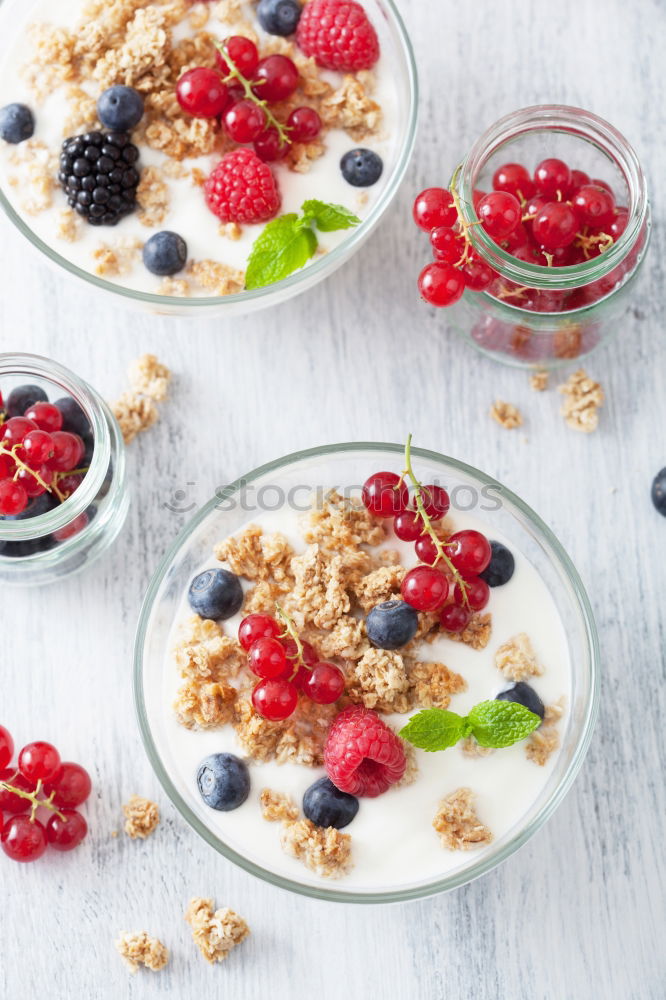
(385, 494)
(74, 527)
(324, 684)
(469, 551)
(70, 785)
(594, 206)
(500, 214)
(257, 626)
(68, 450)
(9, 802)
(304, 124)
(454, 618)
(6, 747)
(201, 93)
(13, 498)
(23, 839)
(408, 526)
(269, 147)
(477, 593)
(242, 53)
(555, 226)
(47, 416)
(7, 467)
(275, 699)
(66, 833)
(267, 658)
(553, 177)
(310, 655)
(426, 550)
(514, 178)
(68, 484)
(434, 207)
(436, 501)
(244, 121)
(578, 178)
(425, 588)
(275, 78)
(476, 198)
(441, 284)
(31, 484)
(37, 448)
(478, 274)
(15, 429)
(619, 223)
(595, 182)
(447, 245)
(38, 761)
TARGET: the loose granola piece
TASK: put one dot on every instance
(205, 706)
(69, 227)
(319, 596)
(506, 415)
(204, 652)
(347, 639)
(379, 680)
(299, 739)
(583, 397)
(476, 633)
(199, 15)
(412, 769)
(231, 230)
(302, 155)
(116, 260)
(38, 182)
(228, 11)
(177, 287)
(82, 115)
(471, 748)
(134, 414)
(340, 523)
(546, 739)
(142, 949)
(324, 850)
(257, 736)
(264, 596)
(216, 277)
(217, 933)
(52, 62)
(381, 585)
(539, 381)
(150, 378)
(516, 658)
(432, 684)
(352, 109)
(153, 197)
(257, 556)
(144, 46)
(141, 817)
(276, 807)
(458, 825)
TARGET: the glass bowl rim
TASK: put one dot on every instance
(318, 269)
(540, 529)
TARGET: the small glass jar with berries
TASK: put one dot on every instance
(538, 241)
(63, 490)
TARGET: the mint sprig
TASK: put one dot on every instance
(495, 724)
(287, 243)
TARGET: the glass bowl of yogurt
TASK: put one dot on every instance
(48, 68)
(395, 852)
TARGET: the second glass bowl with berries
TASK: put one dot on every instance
(453, 618)
(63, 489)
(539, 240)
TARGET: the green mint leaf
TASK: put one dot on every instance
(500, 724)
(283, 247)
(433, 729)
(329, 218)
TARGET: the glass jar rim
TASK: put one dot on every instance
(37, 366)
(588, 127)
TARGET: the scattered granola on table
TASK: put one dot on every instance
(141, 817)
(135, 410)
(140, 949)
(215, 932)
(539, 381)
(506, 415)
(582, 399)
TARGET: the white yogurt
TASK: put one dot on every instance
(188, 214)
(393, 842)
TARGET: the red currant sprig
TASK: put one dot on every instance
(238, 79)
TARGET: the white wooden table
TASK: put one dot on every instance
(579, 912)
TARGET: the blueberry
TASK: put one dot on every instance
(223, 781)
(326, 805)
(361, 167)
(501, 566)
(279, 17)
(17, 123)
(165, 253)
(22, 397)
(30, 546)
(120, 108)
(215, 593)
(524, 695)
(659, 492)
(74, 419)
(391, 624)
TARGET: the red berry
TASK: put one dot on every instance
(518, 238)
(514, 178)
(619, 223)
(578, 178)
(244, 121)
(31, 484)
(553, 177)
(324, 684)
(7, 467)
(68, 484)
(425, 588)
(454, 618)
(202, 93)
(13, 498)
(555, 226)
(257, 626)
(9, 802)
(476, 198)
(436, 501)
(478, 275)
(74, 527)
(469, 551)
(269, 147)
(594, 206)
(68, 451)
(267, 658)
(70, 785)
(385, 494)
(6, 747)
(595, 182)
(15, 429)
(37, 448)
(477, 593)
(47, 416)
(23, 840)
(244, 55)
(275, 699)
(433, 208)
(38, 761)
(66, 833)
(408, 526)
(242, 189)
(447, 245)
(362, 755)
(310, 655)
(338, 34)
(275, 79)
(500, 213)
(304, 124)
(441, 284)
(426, 550)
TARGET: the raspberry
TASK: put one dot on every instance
(242, 189)
(338, 34)
(363, 756)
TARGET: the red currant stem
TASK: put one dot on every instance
(528, 218)
(549, 258)
(22, 467)
(464, 226)
(235, 74)
(291, 633)
(604, 240)
(427, 522)
(32, 798)
(507, 293)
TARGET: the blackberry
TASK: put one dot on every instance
(99, 177)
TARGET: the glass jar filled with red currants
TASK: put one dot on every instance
(539, 239)
(63, 491)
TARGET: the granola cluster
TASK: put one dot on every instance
(516, 658)
(141, 817)
(141, 949)
(216, 932)
(582, 399)
(458, 826)
(324, 850)
(546, 739)
(135, 410)
(506, 415)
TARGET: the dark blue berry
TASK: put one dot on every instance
(22, 397)
(17, 123)
(279, 17)
(659, 492)
(165, 253)
(215, 593)
(391, 624)
(361, 167)
(74, 419)
(224, 781)
(30, 546)
(326, 805)
(524, 695)
(501, 566)
(120, 108)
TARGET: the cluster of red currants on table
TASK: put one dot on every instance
(40, 784)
